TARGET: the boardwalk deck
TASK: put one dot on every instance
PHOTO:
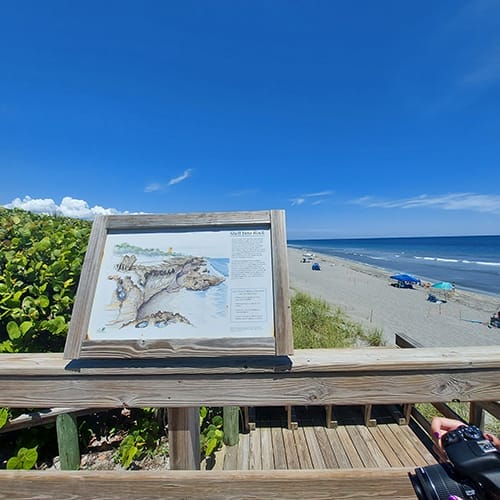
(351, 445)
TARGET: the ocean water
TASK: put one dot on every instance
(471, 262)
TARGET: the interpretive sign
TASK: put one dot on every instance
(183, 285)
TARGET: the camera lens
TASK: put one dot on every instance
(436, 482)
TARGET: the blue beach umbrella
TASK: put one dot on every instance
(443, 285)
(408, 278)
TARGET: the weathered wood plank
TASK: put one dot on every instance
(360, 446)
(255, 450)
(413, 442)
(244, 452)
(292, 458)
(338, 449)
(314, 448)
(469, 358)
(402, 437)
(326, 448)
(86, 289)
(398, 448)
(293, 484)
(302, 449)
(231, 458)
(184, 438)
(131, 349)
(279, 452)
(373, 449)
(384, 446)
(476, 415)
(282, 307)
(349, 448)
(278, 389)
(266, 445)
(187, 220)
(42, 417)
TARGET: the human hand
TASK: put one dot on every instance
(493, 439)
(441, 425)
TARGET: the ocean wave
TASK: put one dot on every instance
(458, 261)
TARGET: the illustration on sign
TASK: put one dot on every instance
(160, 286)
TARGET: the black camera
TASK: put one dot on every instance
(472, 473)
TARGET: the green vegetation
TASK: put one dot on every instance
(143, 437)
(316, 326)
(211, 433)
(25, 459)
(40, 263)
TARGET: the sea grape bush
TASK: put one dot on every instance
(40, 262)
(211, 430)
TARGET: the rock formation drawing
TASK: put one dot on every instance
(142, 291)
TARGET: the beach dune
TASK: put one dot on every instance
(366, 295)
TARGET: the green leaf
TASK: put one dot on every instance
(4, 416)
(43, 301)
(217, 420)
(25, 459)
(13, 330)
(56, 325)
(211, 445)
(6, 346)
(42, 245)
(26, 326)
(130, 453)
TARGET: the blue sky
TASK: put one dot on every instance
(358, 118)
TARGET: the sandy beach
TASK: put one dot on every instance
(366, 295)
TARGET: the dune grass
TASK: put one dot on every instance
(317, 326)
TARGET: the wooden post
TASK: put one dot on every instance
(476, 414)
(184, 438)
(231, 416)
(67, 442)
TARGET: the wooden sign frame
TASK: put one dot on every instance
(120, 307)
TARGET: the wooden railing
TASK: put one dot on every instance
(315, 377)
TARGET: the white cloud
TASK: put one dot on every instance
(302, 198)
(320, 193)
(473, 202)
(183, 177)
(154, 186)
(69, 207)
